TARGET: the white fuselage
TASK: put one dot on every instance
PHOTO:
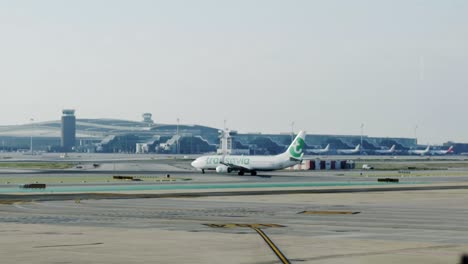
(381, 152)
(347, 151)
(387, 151)
(420, 152)
(252, 163)
(442, 152)
(320, 151)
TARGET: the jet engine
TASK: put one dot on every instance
(222, 169)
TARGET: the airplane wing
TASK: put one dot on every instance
(236, 167)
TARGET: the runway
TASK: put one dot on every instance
(175, 186)
(411, 227)
(307, 216)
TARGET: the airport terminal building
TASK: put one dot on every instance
(123, 136)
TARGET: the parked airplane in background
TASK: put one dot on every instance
(420, 152)
(356, 150)
(320, 151)
(442, 152)
(252, 164)
(386, 151)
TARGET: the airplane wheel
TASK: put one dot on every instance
(253, 173)
(240, 173)
(203, 171)
(229, 170)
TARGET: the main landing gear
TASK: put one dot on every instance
(241, 173)
(203, 171)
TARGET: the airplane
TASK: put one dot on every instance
(420, 152)
(356, 150)
(386, 151)
(443, 152)
(320, 151)
(253, 164)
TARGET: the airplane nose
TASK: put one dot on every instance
(194, 163)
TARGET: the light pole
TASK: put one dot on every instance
(416, 133)
(292, 131)
(32, 131)
(177, 146)
(362, 133)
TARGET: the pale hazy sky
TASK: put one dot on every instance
(326, 65)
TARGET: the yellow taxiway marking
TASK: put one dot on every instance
(272, 245)
(329, 212)
(257, 228)
(232, 225)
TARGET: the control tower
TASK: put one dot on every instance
(68, 130)
(147, 118)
